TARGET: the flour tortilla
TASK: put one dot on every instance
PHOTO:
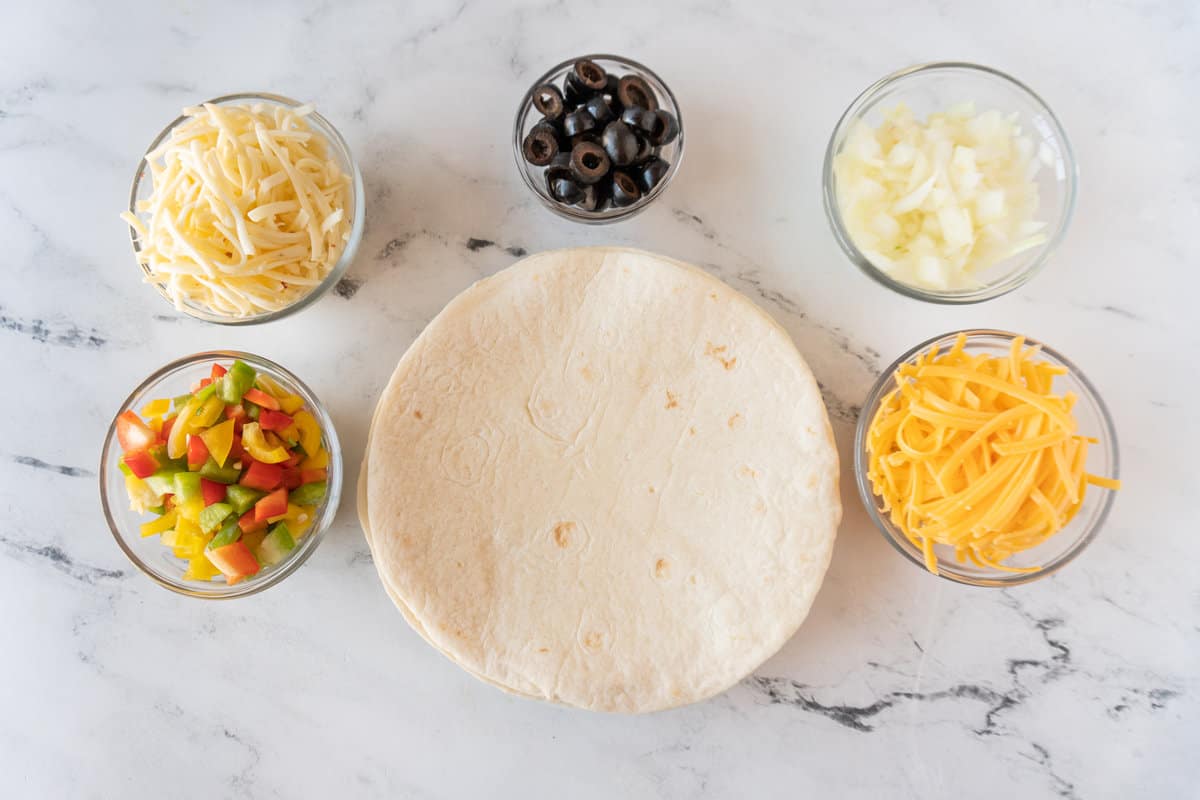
(604, 479)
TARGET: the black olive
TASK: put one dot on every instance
(600, 108)
(560, 167)
(625, 191)
(595, 196)
(639, 119)
(666, 128)
(645, 150)
(565, 190)
(589, 162)
(588, 136)
(548, 100)
(652, 172)
(620, 142)
(540, 145)
(610, 85)
(577, 122)
(585, 79)
(633, 91)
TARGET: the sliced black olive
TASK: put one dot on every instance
(588, 136)
(621, 143)
(666, 128)
(651, 173)
(600, 108)
(565, 190)
(645, 151)
(640, 119)
(560, 167)
(589, 162)
(578, 121)
(595, 196)
(585, 79)
(548, 100)
(633, 91)
(540, 145)
(625, 191)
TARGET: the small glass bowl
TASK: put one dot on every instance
(1057, 551)
(527, 117)
(157, 560)
(932, 88)
(338, 149)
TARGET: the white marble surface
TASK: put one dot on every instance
(900, 686)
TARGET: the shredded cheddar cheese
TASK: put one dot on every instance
(248, 212)
(975, 452)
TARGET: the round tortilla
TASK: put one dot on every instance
(604, 479)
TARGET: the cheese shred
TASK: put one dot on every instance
(249, 211)
(976, 453)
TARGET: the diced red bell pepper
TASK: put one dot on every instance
(273, 505)
(218, 371)
(235, 561)
(249, 525)
(168, 502)
(133, 434)
(236, 450)
(261, 476)
(261, 398)
(292, 478)
(197, 451)
(141, 463)
(270, 420)
(200, 384)
(293, 460)
(166, 429)
(313, 475)
(212, 491)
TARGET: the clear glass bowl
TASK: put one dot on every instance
(528, 116)
(1057, 551)
(143, 187)
(931, 88)
(156, 559)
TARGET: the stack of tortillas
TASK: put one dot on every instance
(602, 478)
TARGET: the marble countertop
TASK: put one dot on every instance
(899, 685)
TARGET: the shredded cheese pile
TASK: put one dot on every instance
(975, 452)
(249, 211)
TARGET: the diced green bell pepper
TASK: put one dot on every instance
(163, 481)
(252, 411)
(187, 486)
(228, 534)
(212, 516)
(277, 544)
(236, 382)
(181, 401)
(206, 392)
(242, 498)
(121, 465)
(309, 494)
(215, 472)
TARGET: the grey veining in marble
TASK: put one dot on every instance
(1082, 686)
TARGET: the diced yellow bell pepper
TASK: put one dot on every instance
(191, 509)
(318, 460)
(141, 496)
(299, 519)
(290, 434)
(257, 446)
(219, 441)
(207, 414)
(188, 544)
(177, 441)
(200, 569)
(291, 403)
(310, 431)
(156, 424)
(164, 523)
(156, 408)
(270, 385)
(169, 538)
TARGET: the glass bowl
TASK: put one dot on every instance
(1057, 551)
(931, 88)
(156, 559)
(528, 116)
(338, 149)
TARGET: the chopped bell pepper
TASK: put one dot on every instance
(312, 475)
(257, 445)
(273, 505)
(140, 463)
(270, 386)
(164, 430)
(141, 496)
(249, 524)
(235, 561)
(292, 478)
(309, 494)
(212, 516)
(291, 403)
(164, 523)
(242, 498)
(310, 431)
(228, 535)
(200, 569)
(219, 441)
(177, 439)
(277, 544)
(253, 539)
(236, 382)
(318, 460)
(219, 474)
(162, 482)
(190, 509)
(187, 486)
(132, 433)
(261, 475)
(270, 420)
(299, 519)
(261, 399)
(218, 371)
(211, 491)
(207, 414)
(197, 452)
(156, 408)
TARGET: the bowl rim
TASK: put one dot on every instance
(961, 297)
(324, 516)
(884, 382)
(609, 215)
(357, 225)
